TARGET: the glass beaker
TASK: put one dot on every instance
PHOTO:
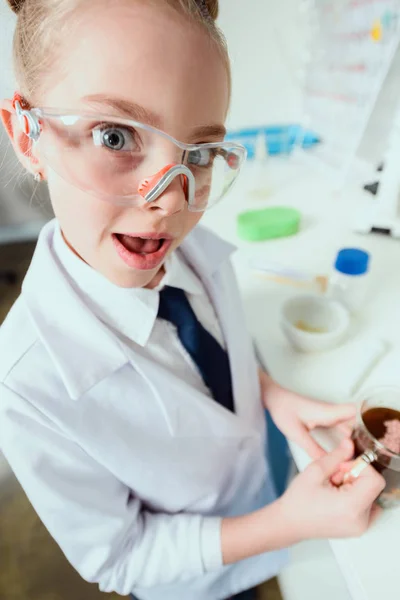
(376, 437)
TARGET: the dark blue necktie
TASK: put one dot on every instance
(210, 358)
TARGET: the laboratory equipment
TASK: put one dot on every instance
(272, 140)
(285, 275)
(377, 440)
(314, 323)
(268, 223)
(351, 99)
(349, 281)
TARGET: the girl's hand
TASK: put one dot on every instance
(314, 508)
(296, 415)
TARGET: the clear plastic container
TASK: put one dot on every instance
(349, 282)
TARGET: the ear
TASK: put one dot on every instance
(22, 144)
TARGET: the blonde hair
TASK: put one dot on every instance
(40, 26)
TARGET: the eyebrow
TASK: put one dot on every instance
(207, 131)
(126, 108)
(131, 110)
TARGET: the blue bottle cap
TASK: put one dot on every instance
(352, 261)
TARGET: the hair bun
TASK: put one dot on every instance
(212, 7)
(16, 5)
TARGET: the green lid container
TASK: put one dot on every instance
(268, 223)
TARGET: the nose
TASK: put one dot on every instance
(171, 201)
(170, 195)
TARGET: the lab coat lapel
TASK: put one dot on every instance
(208, 256)
(187, 411)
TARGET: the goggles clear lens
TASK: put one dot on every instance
(111, 157)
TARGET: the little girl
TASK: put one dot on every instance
(131, 406)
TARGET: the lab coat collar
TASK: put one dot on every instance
(83, 349)
(206, 252)
(132, 311)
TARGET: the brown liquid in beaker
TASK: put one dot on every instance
(374, 420)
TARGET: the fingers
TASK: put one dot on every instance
(350, 471)
(346, 427)
(345, 412)
(340, 414)
(369, 482)
(304, 439)
(338, 477)
(329, 415)
(330, 463)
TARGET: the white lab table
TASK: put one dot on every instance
(368, 564)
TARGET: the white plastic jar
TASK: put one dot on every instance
(349, 281)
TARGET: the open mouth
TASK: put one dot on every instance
(139, 245)
(141, 252)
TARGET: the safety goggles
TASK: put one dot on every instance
(126, 162)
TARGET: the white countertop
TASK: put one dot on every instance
(369, 564)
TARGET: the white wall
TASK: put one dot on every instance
(265, 41)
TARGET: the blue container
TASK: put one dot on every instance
(352, 261)
(280, 139)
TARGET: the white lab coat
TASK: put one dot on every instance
(129, 468)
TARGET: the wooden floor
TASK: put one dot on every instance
(31, 565)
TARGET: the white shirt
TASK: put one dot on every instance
(131, 313)
(130, 467)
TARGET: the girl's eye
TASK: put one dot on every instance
(115, 138)
(202, 157)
